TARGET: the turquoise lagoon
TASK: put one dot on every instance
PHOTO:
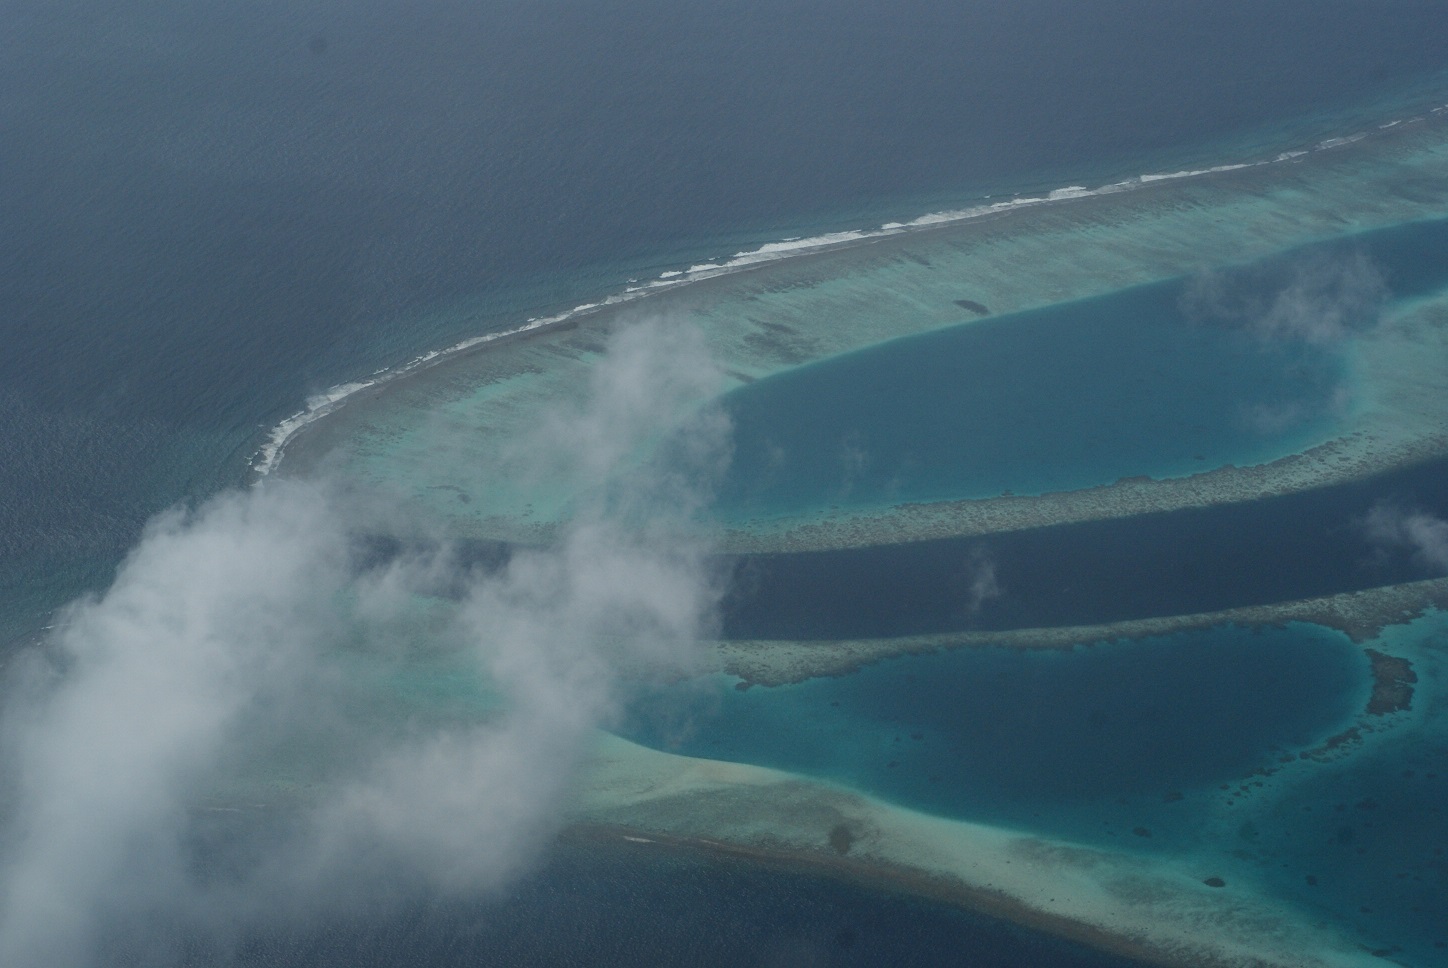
(1158, 380)
(1245, 754)
(1062, 398)
(1084, 743)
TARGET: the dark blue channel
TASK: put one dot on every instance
(1277, 549)
(599, 902)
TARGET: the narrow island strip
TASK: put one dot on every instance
(1177, 913)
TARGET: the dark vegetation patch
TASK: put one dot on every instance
(1393, 680)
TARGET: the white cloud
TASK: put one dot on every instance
(145, 684)
(1314, 300)
(223, 644)
(984, 585)
(1423, 534)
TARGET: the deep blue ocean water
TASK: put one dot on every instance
(582, 908)
(210, 211)
(1280, 549)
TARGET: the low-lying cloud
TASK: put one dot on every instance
(1423, 535)
(1318, 300)
(982, 583)
(225, 653)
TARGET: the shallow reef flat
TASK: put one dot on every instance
(1166, 911)
(1361, 615)
(1294, 860)
(441, 437)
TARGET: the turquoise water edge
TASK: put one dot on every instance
(1221, 751)
(1047, 739)
(242, 232)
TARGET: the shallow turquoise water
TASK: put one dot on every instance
(1052, 738)
(1165, 379)
(1187, 747)
(1053, 399)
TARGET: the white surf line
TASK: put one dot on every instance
(268, 456)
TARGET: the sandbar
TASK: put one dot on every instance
(1361, 615)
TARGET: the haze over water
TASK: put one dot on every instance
(213, 212)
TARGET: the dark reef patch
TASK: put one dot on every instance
(1393, 680)
(1334, 746)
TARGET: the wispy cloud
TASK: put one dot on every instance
(1423, 535)
(1274, 418)
(223, 648)
(1316, 300)
(981, 581)
(111, 739)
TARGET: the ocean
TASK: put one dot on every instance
(214, 212)
(583, 906)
